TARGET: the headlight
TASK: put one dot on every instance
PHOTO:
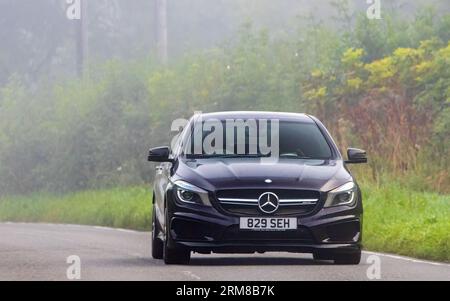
(188, 193)
(344, 195)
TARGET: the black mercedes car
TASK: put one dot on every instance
(246, 182)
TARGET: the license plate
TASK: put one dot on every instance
(268, 223)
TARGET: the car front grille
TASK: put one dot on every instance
(245, 202)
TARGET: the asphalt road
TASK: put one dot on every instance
(40, 251)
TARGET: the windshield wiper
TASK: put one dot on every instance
(244, 156)
(230, 156)
(293, 156)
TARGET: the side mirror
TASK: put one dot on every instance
(356, 156)
(159, 154)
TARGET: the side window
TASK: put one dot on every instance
(181, 138)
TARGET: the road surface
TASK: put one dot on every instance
(40, 251)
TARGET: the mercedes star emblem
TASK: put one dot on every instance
(268, 202)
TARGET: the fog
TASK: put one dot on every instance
(39, 42)
(86, 90)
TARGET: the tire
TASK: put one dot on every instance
(174, 255)
(157, 244)
(348, 258)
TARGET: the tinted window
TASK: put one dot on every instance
(303, 140)
(295, 140)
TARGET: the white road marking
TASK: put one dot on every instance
(398, 257)
(102, 228)
(191, 275)
(127, 231)
(74, 226)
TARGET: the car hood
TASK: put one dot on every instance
(217, 174)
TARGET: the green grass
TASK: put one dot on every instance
(128, 208)
(396, 220)
(401, 221)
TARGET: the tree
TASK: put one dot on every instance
(161, 29)
(82, 39)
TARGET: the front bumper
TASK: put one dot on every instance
(205, 229)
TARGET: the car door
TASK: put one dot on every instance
(158, 189)
(162, 180)
(164, 173)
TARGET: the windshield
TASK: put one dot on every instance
(235, 139)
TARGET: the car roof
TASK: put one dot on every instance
(284, 116)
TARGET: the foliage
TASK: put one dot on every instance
(93, 133)
(396, 107)
(128, 208)
(400, 221)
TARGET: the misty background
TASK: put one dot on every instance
(39, 41)
(64, 130)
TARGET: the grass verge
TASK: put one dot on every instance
(396, 220)
(128, 208)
